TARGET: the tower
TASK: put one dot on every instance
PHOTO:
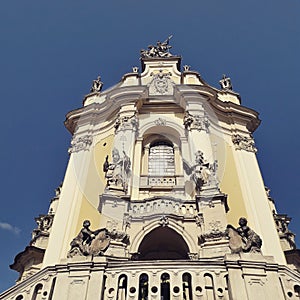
(162, 198)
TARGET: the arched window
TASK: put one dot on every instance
(161, 159)
(52, 289)
(20, 297)
(143, 287)
(122, 288)
(165, 286)
(297, 291)
(37, 294)
(103, 286)
(187, 286)
(209, 286)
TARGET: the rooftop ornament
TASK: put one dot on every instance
(96, 85)
(160, 50)
(225, 83)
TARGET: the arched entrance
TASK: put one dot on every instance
(163, 243)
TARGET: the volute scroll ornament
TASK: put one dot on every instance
(215, 233)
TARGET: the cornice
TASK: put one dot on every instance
(227, 112)
(102, 111)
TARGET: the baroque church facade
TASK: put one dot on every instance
(162, 198)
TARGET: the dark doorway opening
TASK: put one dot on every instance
(163, 243)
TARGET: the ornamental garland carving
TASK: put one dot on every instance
(164, 221)
(81, 143)
(244, 143)
(126, 123)
(160, 122)
(196, 122)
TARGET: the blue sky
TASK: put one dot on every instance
(52, 50)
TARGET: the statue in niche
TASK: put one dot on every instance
(89, 242)
(118, 171)
(97, 85)
(243, 239)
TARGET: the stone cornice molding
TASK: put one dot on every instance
(102, 112)
(228, 112)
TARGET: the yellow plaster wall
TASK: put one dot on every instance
(101, 150)
(230, 185)
(88, 212)
(95, 185)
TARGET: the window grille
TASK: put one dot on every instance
(161, 159)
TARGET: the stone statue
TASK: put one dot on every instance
(200, 171)
(89, 242)
(118, 171)
(243, 239)
(188, 120)
(251, 239)
(84, 238)
(97, 85)
(160, 50)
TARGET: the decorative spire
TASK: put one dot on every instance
(160, 50)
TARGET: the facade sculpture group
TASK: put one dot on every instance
(95, 243)
(202, 172)
(160, 220)
(160, 50)
(243, 238)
